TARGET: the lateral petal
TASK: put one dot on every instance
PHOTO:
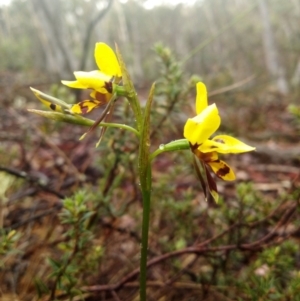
(106, 60)
(201, 127)
(74, 84)
(222, 170)
(92, 80)
(225, 144)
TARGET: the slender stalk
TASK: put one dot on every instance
(79, 120)
(180, 144)
(146, 183)
(144, 249)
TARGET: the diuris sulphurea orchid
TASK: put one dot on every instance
(198, 131)
(104, 83)
(101, 81)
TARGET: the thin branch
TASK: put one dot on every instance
(198, 249)
(233, 86)
(35, 217)
(41, 181)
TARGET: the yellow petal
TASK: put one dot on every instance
(201, 127)
(93, 80)
(106, 60)
(201, 98)
(225, 144)
(74, 84)
(222, 170)
(85, 106)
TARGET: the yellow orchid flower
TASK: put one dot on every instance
(100, 81)
(198, 130)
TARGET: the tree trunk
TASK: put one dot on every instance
(49, 21)
(275, 69)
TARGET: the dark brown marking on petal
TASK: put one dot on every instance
(101, 97)
(53, 106)
(211, 186)
(84, 108)
(205, 157)
(194, 146)
(223, 171)
(109, 86)
(210, 180)
(197, 165)
(107, 118)
(108, 109)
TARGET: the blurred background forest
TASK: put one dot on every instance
(244, 248)
(239, 39)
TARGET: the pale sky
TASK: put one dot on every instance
(4, 2)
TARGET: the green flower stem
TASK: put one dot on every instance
(146, 193)
(119, 90)
(181, 144)
(76, 119)
(145, 182)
